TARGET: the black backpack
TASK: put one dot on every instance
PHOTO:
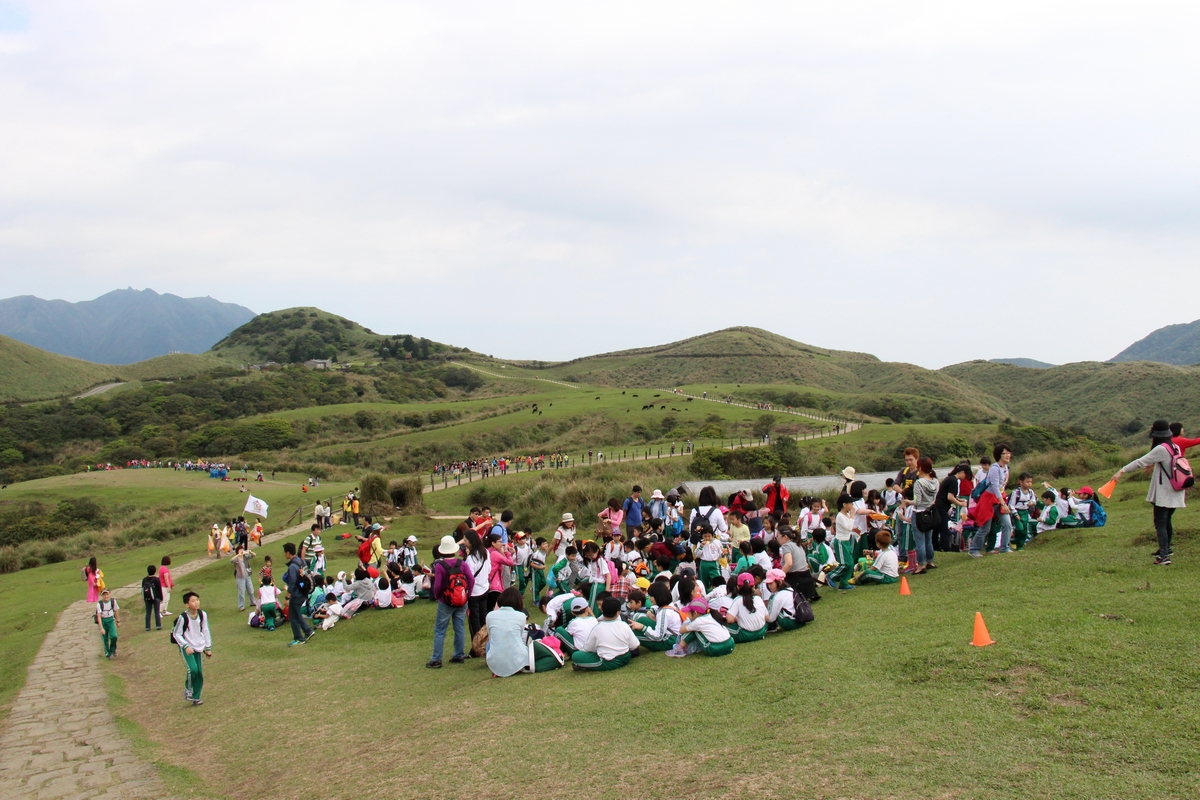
(185, 618)
(303, 584)
(148, 589)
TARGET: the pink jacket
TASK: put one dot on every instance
(498, 560)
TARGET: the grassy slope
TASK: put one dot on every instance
(1100, 397)
(27, 373)
(882, 696)
(750, 355)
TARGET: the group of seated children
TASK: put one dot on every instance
(675, 615)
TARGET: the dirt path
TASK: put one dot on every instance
(61, 740)
(98, 390)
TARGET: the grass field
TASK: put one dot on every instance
(1089, 692)
(33, 374)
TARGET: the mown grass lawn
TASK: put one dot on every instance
(1089, 692)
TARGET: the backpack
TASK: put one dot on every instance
(183, 621)
(700, 524)
(979, 489)
(455, 593)
(1099, 515)
(148, 589)
(1180, 472)
(304, 583)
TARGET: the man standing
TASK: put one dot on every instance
(452, 585)
(777, 497)
(241, 576)
(632, 507)
(501, 527)
(298, 587)
(908, 476)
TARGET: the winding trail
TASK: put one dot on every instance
(61, 740)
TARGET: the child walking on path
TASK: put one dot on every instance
(193, 637)
(106, 616)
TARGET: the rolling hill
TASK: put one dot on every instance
(299, 334)
(27, 373)
(1174, 344)
(1029, 363)
(1117, 401)
(121, 327)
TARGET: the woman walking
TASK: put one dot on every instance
(1164, 479)
(95, 580)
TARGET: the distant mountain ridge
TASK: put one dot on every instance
(1028, 363)
(121, 327)
(1173, 344)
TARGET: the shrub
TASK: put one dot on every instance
(407, 493)
(373, 488)
(30, 562)
(9, 560)
(53, 554)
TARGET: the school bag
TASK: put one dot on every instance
(701, 523)
(1180, 471)
(455, 594)
(1098, 516)
(148, 589)
(182, 623)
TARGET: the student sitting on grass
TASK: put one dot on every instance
(609, 645)
(702, 632)
(886, 566)
(747, 617)
(659, 629)
(1067, 506)
(268, 604)
(581, 624)
(1048, 519)
(820, 556)
(781, 603)
(383, 593)
(328, 613)
(363, 587)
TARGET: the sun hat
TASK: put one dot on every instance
(568, 517)
(448, 547)
(656, 495)
(745, 578)
(341, 576)
(1161, 429)
(849, 473)
(776, 576)
(579, 605)
(663, 574)
(410, 539)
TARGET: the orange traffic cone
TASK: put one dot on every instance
(1107, 489)
(904, 590)
(981, 638)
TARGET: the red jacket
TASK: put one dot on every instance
(1183, 443)
(769, 491)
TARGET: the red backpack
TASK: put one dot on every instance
(364, 551)
(1180, 471)
(455, 594)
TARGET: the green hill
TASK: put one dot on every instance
(1111, 400)
(1174, 344)
(754, 356)
(27, 373)
(299, 334)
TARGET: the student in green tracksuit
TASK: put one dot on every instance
(1020, 501)
(611, 643)
(702, 633)
(748, 614)
(843, 544)
(107, 616)
(192, 634)
(659, 632)
(820, 555)
(537, 566)
(781, 604)
(885, 568)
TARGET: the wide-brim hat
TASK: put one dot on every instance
(849, 473)
(568, 517)
(657, 495)
(448, 547)
(1161, 429)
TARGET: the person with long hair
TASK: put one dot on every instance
(1162, 495)
(925, 490)
(707, 510)
(478, 563)
(95, 580)
(509, 649)
(596, 575)
(748, 612)
(498, 559)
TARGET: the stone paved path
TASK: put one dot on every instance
(61, 740)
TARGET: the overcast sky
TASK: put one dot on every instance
(932, 185)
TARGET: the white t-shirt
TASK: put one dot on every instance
(710, 551)
(716, 519)
(481, 569)
(747, 620)
(383, 597)
(763, 560)
(554, 607)
(567, 539)
(610, 638)
(709, 628)
(844, 525)
(782, 602)
(267, 594)
(580, 627)
(887, 562)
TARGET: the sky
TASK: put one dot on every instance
(932, 184)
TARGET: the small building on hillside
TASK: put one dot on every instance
(319, 363)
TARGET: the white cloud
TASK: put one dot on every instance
(548, 180)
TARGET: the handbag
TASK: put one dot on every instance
(926, 520)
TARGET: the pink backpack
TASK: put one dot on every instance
(1180, 471)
